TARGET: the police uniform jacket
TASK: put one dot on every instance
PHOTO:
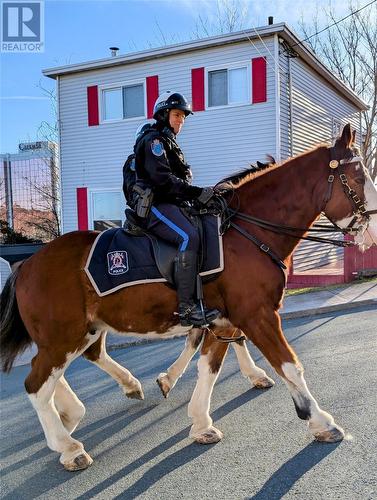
(160, 164)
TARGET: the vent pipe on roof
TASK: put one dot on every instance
(114, 51)
(270, 20)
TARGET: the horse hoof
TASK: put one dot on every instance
(211, 436)
(137, 394)
(263, 383)
(163, 384)
(332, 435)
(79, 463)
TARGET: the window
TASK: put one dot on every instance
(133, 101)
(228, 86)
(107, 209)
(123, 102)
(217, 88)
(112, 104)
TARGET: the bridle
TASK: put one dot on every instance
(359, 212)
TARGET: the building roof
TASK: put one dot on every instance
(280, 29)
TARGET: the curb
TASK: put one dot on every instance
(325, 309)
(132, 343)
(303, 313)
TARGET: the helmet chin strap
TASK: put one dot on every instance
(163, 117)
(164, 125)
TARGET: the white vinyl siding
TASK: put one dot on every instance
(316, 111)
(319, 113)
(216, 142)
(285, 110)
(315, 105)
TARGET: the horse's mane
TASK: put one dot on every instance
(244, 175)
(247, 174)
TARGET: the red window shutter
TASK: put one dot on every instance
(259, 79)
(197, 88)
(93, 114)
(152, 94)
(82, 208)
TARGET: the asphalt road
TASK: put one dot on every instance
(141, 448)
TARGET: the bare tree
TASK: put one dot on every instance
(230, 16)
(46, 217)
(349, 49)
(49, 131)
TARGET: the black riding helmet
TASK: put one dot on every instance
(170, 100)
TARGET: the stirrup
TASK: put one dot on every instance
(198, 316)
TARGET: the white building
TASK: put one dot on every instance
(250, 95)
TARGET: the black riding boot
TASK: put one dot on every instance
(189, 309)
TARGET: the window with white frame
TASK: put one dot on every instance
(106, 209)
(112, 104)
(126, 101)
(227, 86)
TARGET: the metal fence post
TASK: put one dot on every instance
(8, 191)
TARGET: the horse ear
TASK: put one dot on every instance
(353, 140)
(346, 137)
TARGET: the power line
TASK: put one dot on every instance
(334, 24)
(261, 54)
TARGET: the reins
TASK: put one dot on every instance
(289, 230)
(221, 207)
(359, 211)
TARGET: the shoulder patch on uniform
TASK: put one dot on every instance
(157, 147)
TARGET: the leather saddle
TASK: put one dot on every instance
(164, 253)
(124, 257)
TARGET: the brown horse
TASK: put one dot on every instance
(49, 299)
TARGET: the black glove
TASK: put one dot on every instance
(206, 194)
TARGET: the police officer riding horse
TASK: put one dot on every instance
(161, 189)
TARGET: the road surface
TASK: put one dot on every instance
(141, 449)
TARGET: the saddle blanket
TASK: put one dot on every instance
(118, 259)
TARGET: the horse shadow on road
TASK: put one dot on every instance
(277, 485)
(170, 463)
(291, 471)
(53, 475)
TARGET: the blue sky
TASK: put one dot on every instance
(77, 31)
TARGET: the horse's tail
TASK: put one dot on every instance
(14, 337)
